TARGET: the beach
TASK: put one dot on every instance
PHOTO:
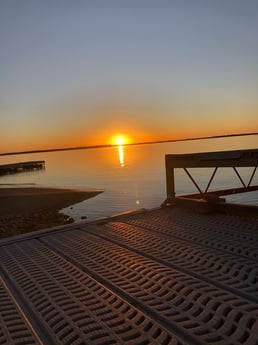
(26, 209)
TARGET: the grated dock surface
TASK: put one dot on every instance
(164, 276)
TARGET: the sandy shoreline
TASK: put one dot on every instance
(27, 209)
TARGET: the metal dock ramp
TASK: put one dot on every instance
(164, 276)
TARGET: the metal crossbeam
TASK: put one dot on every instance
(193, 180)
(239, 176)
(211, 179)
(251, 178)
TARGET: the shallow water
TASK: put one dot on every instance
(132, 177)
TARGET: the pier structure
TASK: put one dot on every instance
(165, 276)
(205, 198)
(21, 167)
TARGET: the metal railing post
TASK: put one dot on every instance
(170, 181)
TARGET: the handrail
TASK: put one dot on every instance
(216, 160)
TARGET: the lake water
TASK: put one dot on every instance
(132, 177)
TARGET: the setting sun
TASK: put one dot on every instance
(119, 139)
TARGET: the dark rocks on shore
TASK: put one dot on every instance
(20, 200)
(25, 210)
(11, 225)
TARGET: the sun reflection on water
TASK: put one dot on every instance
(120, 140)
(121, 155)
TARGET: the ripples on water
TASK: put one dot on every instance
(132, 177)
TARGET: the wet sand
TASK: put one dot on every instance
(24, 210)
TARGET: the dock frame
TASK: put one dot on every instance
(216, 160)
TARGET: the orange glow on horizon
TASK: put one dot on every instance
(110, 135)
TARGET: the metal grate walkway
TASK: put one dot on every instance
(165, 276)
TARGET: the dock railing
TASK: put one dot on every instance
(215, 160)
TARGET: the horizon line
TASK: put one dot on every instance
(131, 144)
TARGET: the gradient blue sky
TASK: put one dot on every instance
(76, 72)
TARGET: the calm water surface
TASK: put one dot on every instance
(132, 177)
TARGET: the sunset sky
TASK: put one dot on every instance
(74, 73)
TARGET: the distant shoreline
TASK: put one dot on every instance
(132, 144)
